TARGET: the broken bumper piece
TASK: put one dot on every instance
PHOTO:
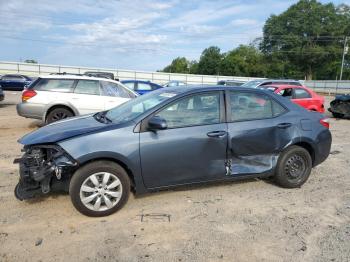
(43, 168)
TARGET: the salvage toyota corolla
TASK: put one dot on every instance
(171, 137)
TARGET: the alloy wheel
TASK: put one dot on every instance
(101, 191)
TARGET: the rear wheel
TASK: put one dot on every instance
(293, 167)
(58, 113)
(99, 188)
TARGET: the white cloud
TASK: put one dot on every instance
(244, 22)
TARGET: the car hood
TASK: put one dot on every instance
(62, 130)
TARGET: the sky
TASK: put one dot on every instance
(128, 34)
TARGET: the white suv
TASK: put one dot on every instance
(56, 97)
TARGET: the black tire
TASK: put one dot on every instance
(58, 113)
(83, 173)
(293, 167)
(337, 115)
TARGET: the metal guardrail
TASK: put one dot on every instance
(157, 77)
(322, 86)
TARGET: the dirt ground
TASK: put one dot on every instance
(242, 221)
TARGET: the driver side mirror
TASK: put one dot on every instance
(157, 123)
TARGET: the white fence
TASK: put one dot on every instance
(157, 77)
(325, 86)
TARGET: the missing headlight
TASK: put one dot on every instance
(40, 167)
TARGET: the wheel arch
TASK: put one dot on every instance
(133, 173)
(309, 147)
(51, 107)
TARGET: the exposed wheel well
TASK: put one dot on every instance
(58, 106)
(123, 165)
(309, 148)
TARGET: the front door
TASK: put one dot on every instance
(259, 128)
(192, 148)
(302, 97)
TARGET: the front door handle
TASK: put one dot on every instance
(284, 125)
(217, 134)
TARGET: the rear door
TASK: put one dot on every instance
(87, 97)
(258, 130)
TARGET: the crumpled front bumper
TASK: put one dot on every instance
(43, 169)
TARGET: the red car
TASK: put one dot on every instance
(300, 95)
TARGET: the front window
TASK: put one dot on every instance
(144, 86)
(300, 93)
(286, 92)
(88, 87)
(199, 109)
(130, 85)
(136, 107)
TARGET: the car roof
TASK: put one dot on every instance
(282, 86)
(280, 80)
(191, 88)
(76, 77)
(135, 80)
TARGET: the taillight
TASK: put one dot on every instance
(325, 122)
(27, 94)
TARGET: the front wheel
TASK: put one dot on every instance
(293, 167)
(99, 188)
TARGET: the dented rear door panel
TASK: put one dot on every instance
(254, 145)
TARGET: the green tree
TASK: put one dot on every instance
(308, 35)
(210, 60)
(243, 61)
(178, 65)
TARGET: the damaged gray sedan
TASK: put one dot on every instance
(172, 137)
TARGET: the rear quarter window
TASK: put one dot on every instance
(54, 85)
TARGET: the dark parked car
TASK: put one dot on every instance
(14, 82)
(2, 95)
(100, 74)
(172, 137)
(141, 87)
(340, 106)
(230, 83)
(264, 82)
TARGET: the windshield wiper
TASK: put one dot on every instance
(101, 117)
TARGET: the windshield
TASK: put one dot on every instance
(135, 107)
(252, 84)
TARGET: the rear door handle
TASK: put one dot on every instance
(217, 134)
(284, 125)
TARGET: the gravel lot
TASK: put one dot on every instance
(242, 221)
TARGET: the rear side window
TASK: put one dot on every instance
(113, 89)
(55, 85)
(300, 93)
(249, 106)
(88, 87)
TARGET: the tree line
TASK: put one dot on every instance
(304, 42)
